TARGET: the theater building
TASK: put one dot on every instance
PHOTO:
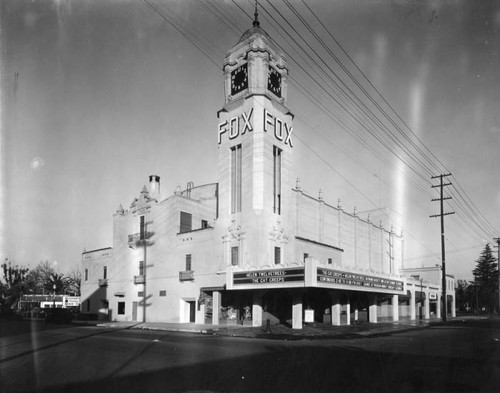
(253, 246)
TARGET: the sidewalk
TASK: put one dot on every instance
(281, 332)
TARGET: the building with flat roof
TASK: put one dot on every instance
(253, 246)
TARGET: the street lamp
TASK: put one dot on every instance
(54, 296)
(19, 306)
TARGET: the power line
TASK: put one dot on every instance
(184, 31)
(471, 213)
(393, 123)
(311, 94)
(461, 192)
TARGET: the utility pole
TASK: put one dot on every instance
(390, 241)
(497, 239)
(442, 198)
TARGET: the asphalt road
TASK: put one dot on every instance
(458, 357)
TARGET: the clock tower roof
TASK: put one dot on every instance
(255, 29)
(255, 65)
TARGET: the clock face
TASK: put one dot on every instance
(274, 81)
(239, 79)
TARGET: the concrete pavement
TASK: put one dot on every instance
(280, 331)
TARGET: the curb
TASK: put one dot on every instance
(285, 336)
(181, 330)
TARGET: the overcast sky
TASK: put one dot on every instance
(99, 94)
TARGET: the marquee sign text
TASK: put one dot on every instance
(274, 276)
(239, 125)
(328, 276)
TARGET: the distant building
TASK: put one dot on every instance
(426, 284)
(31, 306)
(252, 246)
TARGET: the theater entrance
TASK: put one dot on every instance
(277, 306)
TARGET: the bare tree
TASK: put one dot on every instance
(74, 281)
(40, 276)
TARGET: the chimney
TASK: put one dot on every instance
(154, 187)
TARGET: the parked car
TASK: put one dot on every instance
(58, 315)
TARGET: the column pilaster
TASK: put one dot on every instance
(336, 310)
(413, 314)
(216, 303)
(395, 308)
(297, 311)
(257, 310)
(372, 309)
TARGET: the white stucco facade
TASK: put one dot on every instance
(252, 246)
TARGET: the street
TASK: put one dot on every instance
(461, 356)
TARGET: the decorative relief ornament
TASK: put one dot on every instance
(234, 233)
(277, 233)
(142, 203)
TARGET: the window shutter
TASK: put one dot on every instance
(186, 222)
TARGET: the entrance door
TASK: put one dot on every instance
(192, 311)
(134, 311)
(278, 306)
(103, 310)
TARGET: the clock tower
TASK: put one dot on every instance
(255, 141)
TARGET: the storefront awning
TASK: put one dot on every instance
(419, 295)
(213, 289)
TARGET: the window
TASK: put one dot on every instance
(121, 308)
(186, 222)
(277, 255)
(140, 294)
(163, 293)
(277, 153)
(306, 255)
(204, 223)
(88, 305)
(330, 261)
(141, 268)
(234, 255)
(236, 179)
(105, 272)
(86, 274)
(142, 229)
(188, 262)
